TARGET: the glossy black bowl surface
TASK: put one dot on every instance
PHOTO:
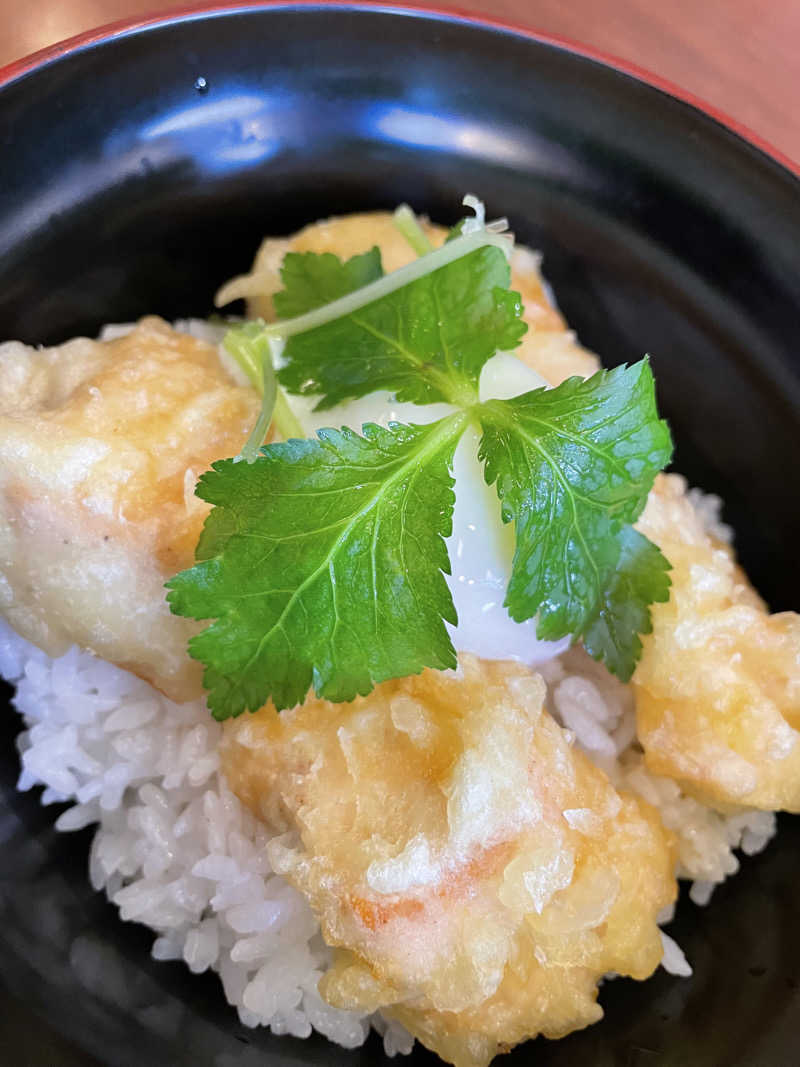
(138, 173)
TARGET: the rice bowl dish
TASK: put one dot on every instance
(177, 849)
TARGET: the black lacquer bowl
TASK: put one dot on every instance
(140, 168)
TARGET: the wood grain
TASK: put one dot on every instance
(741, 56)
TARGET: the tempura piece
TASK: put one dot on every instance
(718, 685)
(477, 874)
(101, 444)
(548, 346)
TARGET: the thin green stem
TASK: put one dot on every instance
(389, 283)
(241, 342)
(407, 223)
(269, 393)
(286, 422)
(257, 355)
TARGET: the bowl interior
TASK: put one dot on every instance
(140, 173)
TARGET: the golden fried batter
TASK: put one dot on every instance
(101, 444)
(477, 875)
(718, 685)
(548, 346)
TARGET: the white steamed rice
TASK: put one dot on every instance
(174, 849)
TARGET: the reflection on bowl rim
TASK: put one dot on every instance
(191, 12)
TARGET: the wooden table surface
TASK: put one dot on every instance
(741, 56)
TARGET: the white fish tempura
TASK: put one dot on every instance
(478, 874)
(101, 444)
(718, 685)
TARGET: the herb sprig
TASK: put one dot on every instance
(322, 561)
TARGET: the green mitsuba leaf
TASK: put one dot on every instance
(322, 563)
(573, 467)
(313, 279)
(638, 578)
(426, 341)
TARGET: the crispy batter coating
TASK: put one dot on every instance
(101, 444)
(477, 874)
(718, 685)
(548, 346)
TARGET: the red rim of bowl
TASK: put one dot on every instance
(125, 26)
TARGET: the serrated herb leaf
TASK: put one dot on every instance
(322, 564)
(426, 341)
(639, 577)
(573, 467)
(311, 279)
